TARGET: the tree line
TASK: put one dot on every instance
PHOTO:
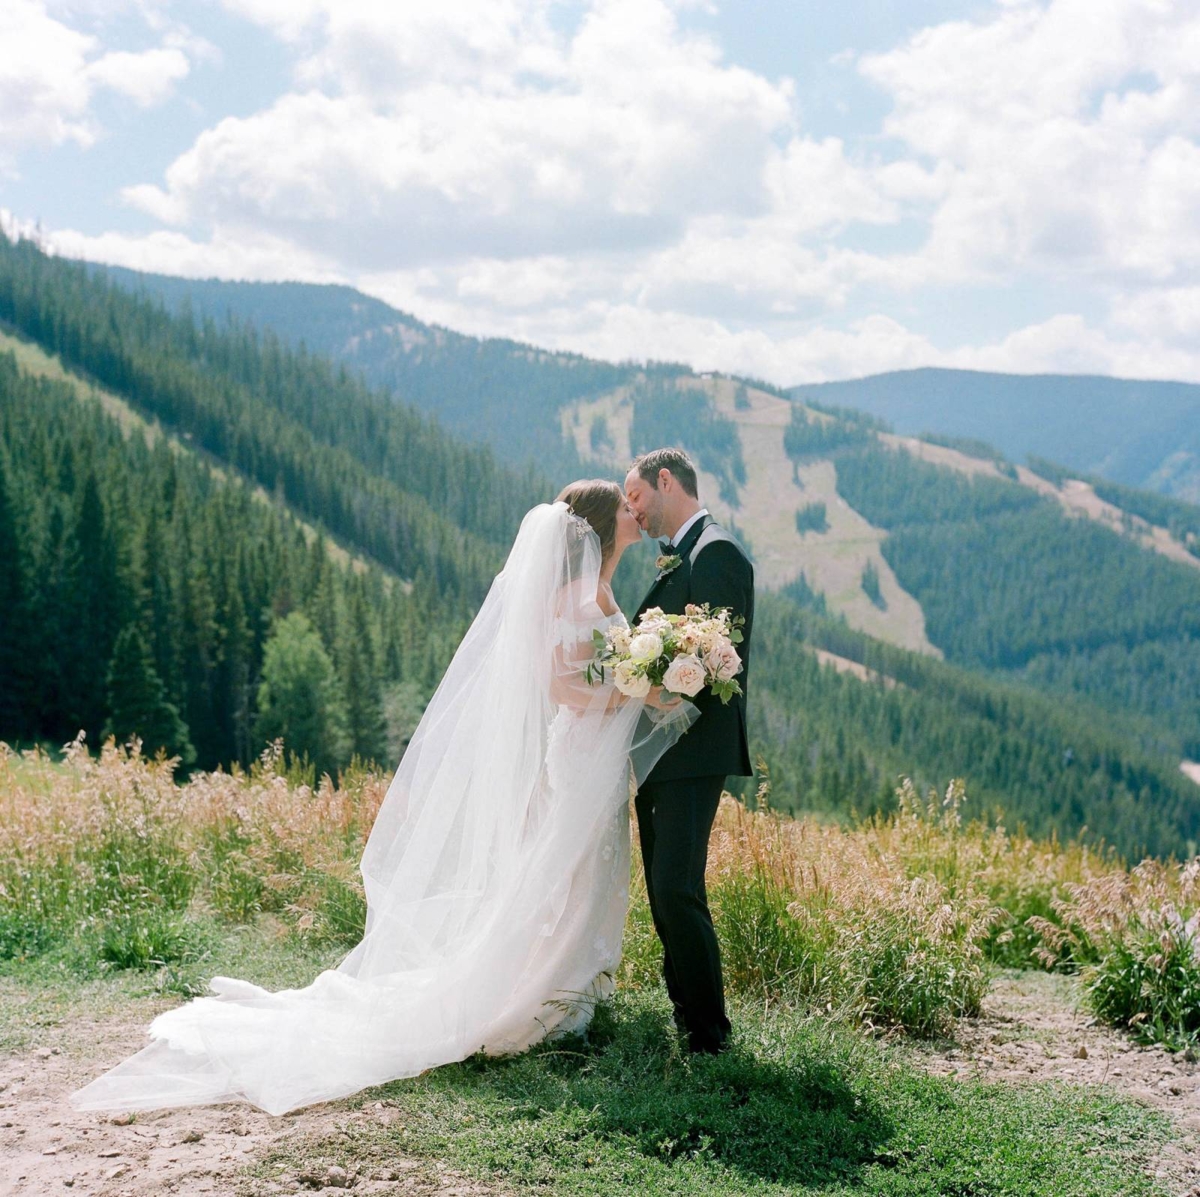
(144, 594)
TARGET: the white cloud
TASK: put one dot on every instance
(147, 78)
(1066, 134)
(812, 185)
(621, 188)
(434, 137)
(1169, 314)
(248, 255)
(44, 93)
(1067, 344)
(50, 72)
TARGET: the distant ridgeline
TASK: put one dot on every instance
(500, 393)
(1134, 432)
(178, 569)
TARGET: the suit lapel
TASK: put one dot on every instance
(682, 549)
(685, 546)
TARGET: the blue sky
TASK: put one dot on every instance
(798, 191)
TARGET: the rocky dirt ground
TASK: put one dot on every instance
(1032, 1029)
(46, 1147)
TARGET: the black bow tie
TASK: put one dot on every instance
(666, 548)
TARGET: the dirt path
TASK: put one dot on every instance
(49, 1148)
(1033, 1028)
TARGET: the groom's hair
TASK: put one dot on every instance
(675, 460)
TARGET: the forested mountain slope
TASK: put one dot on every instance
(108, 531)
(202, 573)
(498, 392)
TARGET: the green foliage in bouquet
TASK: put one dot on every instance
(682, 653)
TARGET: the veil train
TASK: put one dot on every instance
(496, 872)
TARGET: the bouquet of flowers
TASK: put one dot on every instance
(682, 653)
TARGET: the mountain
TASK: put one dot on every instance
(866, 537)
(496, 392)
(1139, 433)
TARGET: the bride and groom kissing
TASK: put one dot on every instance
(496, 872)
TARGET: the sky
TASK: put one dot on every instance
(792, 190)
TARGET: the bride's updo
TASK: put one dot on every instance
(597, 501)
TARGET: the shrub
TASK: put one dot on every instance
(146, 937)
(1137, 935)
(824, 915)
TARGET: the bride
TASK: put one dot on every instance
(496, 873)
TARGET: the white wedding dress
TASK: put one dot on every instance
(496, 873)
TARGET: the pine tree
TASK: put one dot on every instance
(300, 699)
(233, 689)
(360, 675)
(16, 718)
(102, 599)
(137, 700)
(65, 666)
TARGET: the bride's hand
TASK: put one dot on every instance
(661, 699)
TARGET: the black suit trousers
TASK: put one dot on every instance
(674, 822)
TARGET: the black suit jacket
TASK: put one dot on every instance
(714, 570)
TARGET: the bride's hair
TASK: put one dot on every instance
(595, 500)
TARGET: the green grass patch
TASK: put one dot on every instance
(799, 1105)
(68, 986)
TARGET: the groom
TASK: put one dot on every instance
(676, 805)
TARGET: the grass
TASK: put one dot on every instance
(896, 922)
(1137, 937)
(801, 1104)
(65, 986)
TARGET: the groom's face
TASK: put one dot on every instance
(645, 502)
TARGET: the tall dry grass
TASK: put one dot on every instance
(884, 922)
(110, 853)
(1137, 935)
(895, 922)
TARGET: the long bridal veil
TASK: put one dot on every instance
(480, 870)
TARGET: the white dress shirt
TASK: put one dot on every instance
(682, 531)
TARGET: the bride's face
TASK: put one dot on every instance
(628, 530)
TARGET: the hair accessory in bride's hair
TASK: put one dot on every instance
(578, 525)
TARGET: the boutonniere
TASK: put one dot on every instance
(666, 562)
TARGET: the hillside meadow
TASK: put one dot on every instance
(844, 948)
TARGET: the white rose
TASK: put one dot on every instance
(631, 683)
(723, 661)
(647, 646)
(685, 675)
(620, 639)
